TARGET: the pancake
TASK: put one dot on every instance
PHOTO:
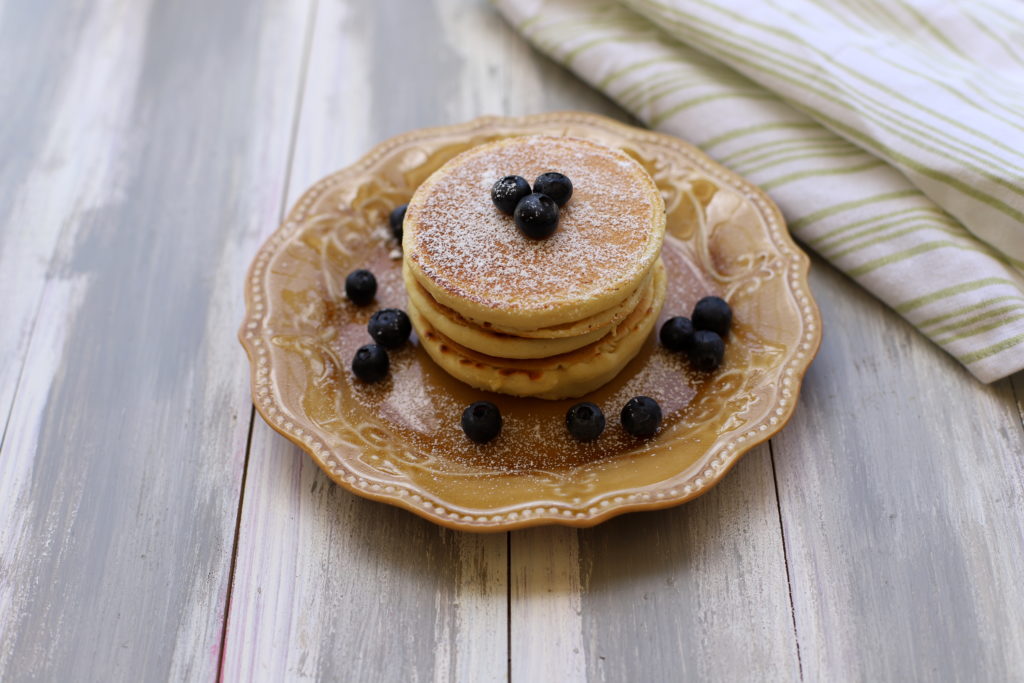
(605, 320)
(471, 258)
(501, 345)
(568, 375)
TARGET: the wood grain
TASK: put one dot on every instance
(546, 620)
(360, 53)
(148, 147)
(383, 595)
(1017, 384)
(148, 152)
(697, 592)
(330, 586)
(59, 140)
(902, 496)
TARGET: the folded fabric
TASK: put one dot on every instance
(865, 173)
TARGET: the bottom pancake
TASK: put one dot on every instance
(567, 375)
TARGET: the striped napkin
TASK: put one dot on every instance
(890, 132)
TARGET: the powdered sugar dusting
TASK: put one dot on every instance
(423, 404)
(466, 245)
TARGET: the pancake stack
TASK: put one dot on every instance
(550, 318)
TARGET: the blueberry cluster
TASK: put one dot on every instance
(535, 211)
(700, 336)
(536, 214)
(481, 421)
(389, 327)
(640, 417)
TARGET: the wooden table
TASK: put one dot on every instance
(151, 528)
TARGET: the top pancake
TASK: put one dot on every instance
(471, 257)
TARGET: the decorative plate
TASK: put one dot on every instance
(399, 441)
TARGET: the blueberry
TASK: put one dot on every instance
(585, 421)
(360, 287)
(371, 363)
(712, 313)
(706, 351)
(389, 327)
(641, 416)
(481, 421)
(507, 192)
(554, 185)
(396, 219)
(677, 334)
(536, 215)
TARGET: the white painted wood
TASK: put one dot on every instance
(547, 606)
(357, 53)
(1017, 383)
(145, 153)
(479, 640)
(17, 545)
(901, 486)
(69, 107)
(328, 585)
(146, 150)
(697, 592)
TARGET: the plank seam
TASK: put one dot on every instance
(234, 546)
(303, 75)
(1019, 377)
(296, 117)
(508, 604)
(785, 557)
(21, 369)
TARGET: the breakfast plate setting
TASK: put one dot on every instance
(499, 356)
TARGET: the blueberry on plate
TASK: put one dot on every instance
(507, 192)
(389, 327)
(360, 287)
(706, 351)
(536, 216)
(585, 421)
(641, 416)
(396, 219)
(676, 334)
(554, 185)
(481, 421)
(371, 363)
(712, 313)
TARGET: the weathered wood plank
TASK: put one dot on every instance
(697, 592)
(328, 585)
(901, 488)
(150, 149)
(66, 106)
(546, 622)
(1017, 382)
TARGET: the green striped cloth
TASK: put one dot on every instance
(890, 132)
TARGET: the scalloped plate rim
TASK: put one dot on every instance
(425, 507)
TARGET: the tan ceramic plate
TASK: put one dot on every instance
(399, 441)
